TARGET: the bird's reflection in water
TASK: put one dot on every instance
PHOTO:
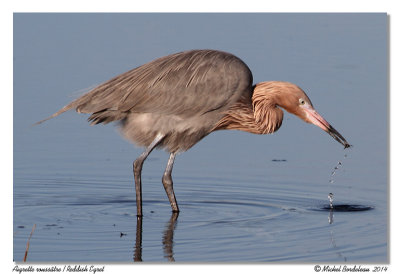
(167, 239)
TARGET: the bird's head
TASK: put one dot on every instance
(294, 100)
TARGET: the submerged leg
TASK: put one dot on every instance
(137, 172)
(167, 182)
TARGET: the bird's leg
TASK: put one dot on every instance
(138, 244)
(137, 171)
(167, 182)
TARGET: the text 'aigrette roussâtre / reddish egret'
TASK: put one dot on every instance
(175, 101)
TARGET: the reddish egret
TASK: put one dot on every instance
(175, 101)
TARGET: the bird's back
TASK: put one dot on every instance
(181, 96)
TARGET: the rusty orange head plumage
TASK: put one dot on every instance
(269, 97)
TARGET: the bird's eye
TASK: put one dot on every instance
(302, 102)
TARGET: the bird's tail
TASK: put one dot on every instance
(64, 109)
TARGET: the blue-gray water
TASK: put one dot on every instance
(243, 197)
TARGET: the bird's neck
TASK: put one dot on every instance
(256, 114)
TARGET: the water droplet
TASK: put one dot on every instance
(336, 168)
(330, 197)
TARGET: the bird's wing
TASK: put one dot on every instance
(184, 84)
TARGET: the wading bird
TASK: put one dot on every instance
(175, 101)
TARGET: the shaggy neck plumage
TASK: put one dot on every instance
(259, 114)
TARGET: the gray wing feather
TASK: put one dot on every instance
(185, 84)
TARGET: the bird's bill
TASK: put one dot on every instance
(316, 119)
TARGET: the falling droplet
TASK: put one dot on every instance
(330, 197)
(336, 168)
